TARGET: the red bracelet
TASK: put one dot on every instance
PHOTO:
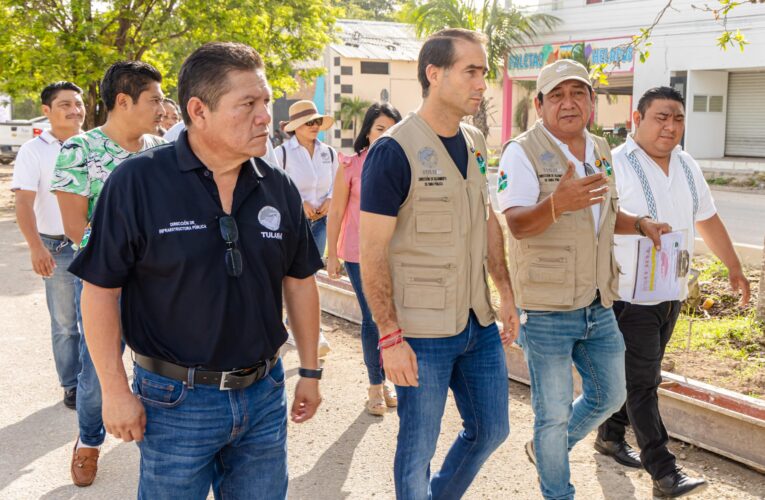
(392, 334)
(392, 343)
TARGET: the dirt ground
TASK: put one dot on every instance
(341, 453)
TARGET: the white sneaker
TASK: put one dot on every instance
(323, 345)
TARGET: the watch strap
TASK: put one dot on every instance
(309, 373)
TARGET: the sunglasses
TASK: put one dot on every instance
(315, 121)
(230, 234)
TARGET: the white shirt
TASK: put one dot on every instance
(175, 131)
(674, 202)
(33, 171)
(522, 187)
(312, 176)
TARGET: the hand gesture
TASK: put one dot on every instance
(323, 209)
(400, 364)
(307, 400)
(653, 230)
(574, 194)
(739, 283)
(310, 213)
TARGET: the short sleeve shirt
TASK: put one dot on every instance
(86, 160)
(156, 234)
(33, 171)
(314, 175)
(518, 184)
(387, 175)
(672, 195)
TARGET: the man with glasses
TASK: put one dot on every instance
(199, 240)
(561, 206)
(133, 98)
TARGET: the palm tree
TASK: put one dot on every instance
(504, 29)
(524, 105)
(351, 111)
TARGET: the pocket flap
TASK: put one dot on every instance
(434, 223)
(425, 297)
(547, 275)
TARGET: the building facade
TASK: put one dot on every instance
(724, 90)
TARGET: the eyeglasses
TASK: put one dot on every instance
(315, 121)
(230, 234)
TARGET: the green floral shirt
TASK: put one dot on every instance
(86, 160)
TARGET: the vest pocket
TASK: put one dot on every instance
(433, 219)
(426, 297)
(549, 276)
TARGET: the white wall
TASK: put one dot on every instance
(705, 131)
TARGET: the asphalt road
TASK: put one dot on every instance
(744, 215)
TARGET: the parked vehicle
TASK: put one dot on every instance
(14, 133)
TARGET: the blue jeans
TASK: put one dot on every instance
(91, 424)
(319, 232)
(472, 365)
(199, 437)
(65, 320)
(369, 333)
(590, 338)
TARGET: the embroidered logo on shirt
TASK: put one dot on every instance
(480, 160)
(269, 217)
(603, 164)
(501, 181)
(182, 225)
(428, 157)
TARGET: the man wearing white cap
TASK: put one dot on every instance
(557, 190)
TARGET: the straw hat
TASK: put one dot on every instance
(305, 111)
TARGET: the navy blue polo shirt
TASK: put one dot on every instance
(155, 234)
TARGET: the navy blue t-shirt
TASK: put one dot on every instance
(387, 176)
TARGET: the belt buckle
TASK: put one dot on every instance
(224, 379)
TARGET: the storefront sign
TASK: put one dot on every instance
(616, 53)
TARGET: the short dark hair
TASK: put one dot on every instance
(172, 103)
(373, 113)
(438, 50)
(127, 77)
(204, 73)
(49, 93)
(655, 93)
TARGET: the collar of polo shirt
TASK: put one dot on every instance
(188, 161)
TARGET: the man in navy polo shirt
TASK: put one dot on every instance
(198, 240)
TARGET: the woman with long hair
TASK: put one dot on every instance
(343, 236)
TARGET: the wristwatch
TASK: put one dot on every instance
(637, 224)
(308, 373)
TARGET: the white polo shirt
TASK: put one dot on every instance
(313, 177)
(673, 199)
(33, 171)
(522, 187)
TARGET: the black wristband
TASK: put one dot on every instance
(308, 373)
(637, 224)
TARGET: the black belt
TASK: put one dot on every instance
(57, 237)
(226, 381)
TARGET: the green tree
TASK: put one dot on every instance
(77, 40)
(504, 28)
(375, 10)
(352, 110)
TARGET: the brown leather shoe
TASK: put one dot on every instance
(84, 465)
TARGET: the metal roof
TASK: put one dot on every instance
(376, 40)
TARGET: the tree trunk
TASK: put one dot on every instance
(761, 294)
(96, 111)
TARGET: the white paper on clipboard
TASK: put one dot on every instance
(661, 275)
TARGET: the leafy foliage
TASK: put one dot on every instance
(42, 41)
(374, 10)
(352, 110)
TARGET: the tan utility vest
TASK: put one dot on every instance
(438, 252)
(563, 268)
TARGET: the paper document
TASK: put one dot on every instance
(661, 275)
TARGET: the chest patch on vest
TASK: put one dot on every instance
(428, 158)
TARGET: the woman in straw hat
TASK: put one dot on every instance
(311, 165)
(343, 236)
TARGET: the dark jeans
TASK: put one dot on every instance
(646, 330)
(370, 336)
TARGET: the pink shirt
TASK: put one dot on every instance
(348, 243)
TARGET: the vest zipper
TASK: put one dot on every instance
(550, 259)
(429, 266)
(556, 247)
(434, 198)
(414, 279)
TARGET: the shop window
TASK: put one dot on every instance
(715, 104)
(375, 68)
(699, 104)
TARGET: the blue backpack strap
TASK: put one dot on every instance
(691, 185)
(649, 198)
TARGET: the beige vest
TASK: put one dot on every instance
(438, 251)
(563, 268)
